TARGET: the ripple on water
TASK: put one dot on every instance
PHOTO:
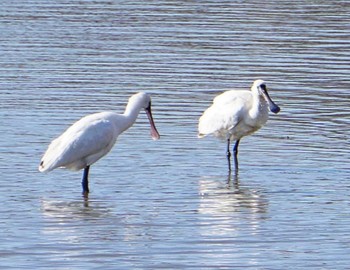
(169, 204)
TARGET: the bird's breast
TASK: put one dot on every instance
(258, 116)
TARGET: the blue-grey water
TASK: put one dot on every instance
(170, 204)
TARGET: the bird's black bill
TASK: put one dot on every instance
(274, 108)
(272, 105)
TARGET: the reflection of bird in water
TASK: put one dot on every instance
(92, 137)
(69, 210)
(235, 114)
(74, 221)
(229, 204)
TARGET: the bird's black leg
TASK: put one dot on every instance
(235, 154)
(235, 148)
(228, 154)
(85, 181)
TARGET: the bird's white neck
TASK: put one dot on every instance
(131, 112)
(258, 102)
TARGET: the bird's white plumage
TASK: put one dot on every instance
(93, 136)
(235, 113)
(227, 111)
(83, 143)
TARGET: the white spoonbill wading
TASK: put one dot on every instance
(92, 137)
(237, 113)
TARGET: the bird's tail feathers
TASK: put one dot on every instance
(50, 159)
(201, 135)
(42, 167)
(46, 165)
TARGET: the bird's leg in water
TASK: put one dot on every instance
(85, 181)
(228, 154)
(235, 154)
(235, 149)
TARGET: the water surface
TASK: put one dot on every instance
(171, 203)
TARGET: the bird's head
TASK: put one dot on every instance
(259, 87)
(144, 101)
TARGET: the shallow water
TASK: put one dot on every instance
(170, 203)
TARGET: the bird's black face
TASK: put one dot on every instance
(148, 107)
(263, 87)
(273, 107)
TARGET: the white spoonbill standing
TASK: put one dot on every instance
(92, 137)
(237, 113)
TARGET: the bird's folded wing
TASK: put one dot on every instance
(78, 142)
(220, 119)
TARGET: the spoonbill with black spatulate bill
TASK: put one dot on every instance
(235, 114)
